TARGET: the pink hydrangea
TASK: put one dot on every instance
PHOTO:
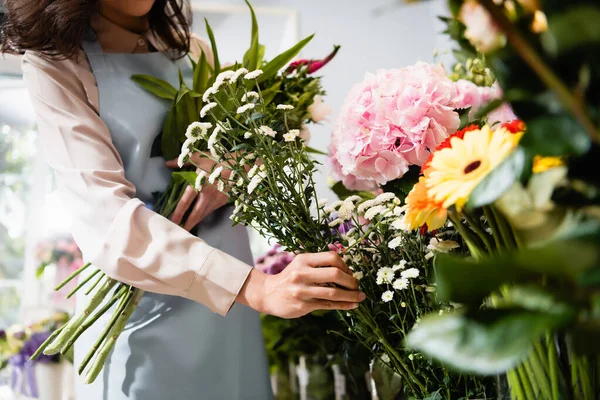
(390, 121)
(469, 94)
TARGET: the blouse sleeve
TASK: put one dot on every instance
(114, 230)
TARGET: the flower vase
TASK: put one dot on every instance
(49, 380)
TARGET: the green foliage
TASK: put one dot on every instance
(343, 192)
(156, 86)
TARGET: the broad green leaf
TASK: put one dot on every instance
(186, 114)
(532, 298)
(155, 86)
(192, 62)
(343, 192)
(201, 74)
(185, 176)
(213, 44)
(169, 144)
(269, 94)
(465, 120)
(555, 135)
(486, 342)
(283, 59)
(488, 108)
(401, 187)
(40, 270)
(251, 61)
(574, 28)
(499, 180)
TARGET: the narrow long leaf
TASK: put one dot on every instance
(201, 74)
(213, 44)
(283, 59)
(251, 56)
(155, 86)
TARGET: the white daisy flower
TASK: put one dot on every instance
(403, 305)
(209, 92)
(289, 137)
(247, 135)
(394, 243)
(336, 204)
(351, 232)
(197, 129)
(254, 182)
(411, 357)
(221, 186)
(207, 108)
(410, 273)
(345, 211)
(322, 203)
(336, 222)
(358, 275)
(183, 157)
(189, 142)
(398, 224)
(384, 197)
(379, 280)
(387, 274)
(215, 174)
(267, 131)
(240, 182)
(400, 265)
(253, 171)
(353, 198)
(253, 74)
(398, 211)
(246, 107)
(224, 76)
(375, 211)
(285, 107)
(400, 284)
(442, 246)
(387, 296)
(249, 96)
(200, 179)
(237, 74)
(365, 205)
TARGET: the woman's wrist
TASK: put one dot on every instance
(252, 293)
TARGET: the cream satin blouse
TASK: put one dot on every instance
(113, 229)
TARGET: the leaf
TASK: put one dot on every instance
(185, 176)
(315, 151)
(401, 187)
(269, 94)
(571, 29)
(485, 342)
(40, 270)
(343, 192)
(185, 115)
(170, 146)
(201, 74)
(251, 58)
(283, 59)
(463, 114)
(555, 135)
(387, 382)
(158, 87)
(488, 108)
(499, 180)
(213, 44)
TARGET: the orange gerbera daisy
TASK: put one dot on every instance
(446, 143)
(421, 209)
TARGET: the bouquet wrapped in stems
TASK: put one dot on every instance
(190, 104)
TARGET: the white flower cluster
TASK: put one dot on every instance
(230, 77)
(195, 132)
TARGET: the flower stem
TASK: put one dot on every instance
(543, 71)
(552, 367)
(525, 382)
(72, 276)
(82, 283)
(514, 383)
(46, 343)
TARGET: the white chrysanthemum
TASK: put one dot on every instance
(183, 157)
(285, 107)
(289, 137)
(200, 179)
(249, 96)
(336, 204)
(384, 198)
(358, 275)
(387, 296)
(351, 242)
(351, 232)
(207, 108)
(336, 222)
(224, 77)
(237, 74)
(215, 174)
(221, 186)
(247, 135)
(208, 93)
(197, 130)
(240, 182)
(253, 74)
(395, 242)
(345, 211)
(400, 284)
(398, 211)
(365, 205)
(254, 182)
(400, 265)
(253, 171)
(387, 274)
(212, 140)
(442, 246)
(375, 211)
(353, 198)
(379, 280)
(267, 131)
(245, 108)
(189, 143)
(322, 203)
(399, 224)
(410, 273)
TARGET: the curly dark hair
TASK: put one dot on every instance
(56, 28)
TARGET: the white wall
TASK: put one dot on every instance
(373, 34)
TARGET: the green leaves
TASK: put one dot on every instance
(283, 59)
(253, 57)
(158, 87)
(185, 176)
(213, 44)
(499, 180)
(201, 73)
(555, 135)
(343, 193)
(486, 342)
(574, 28)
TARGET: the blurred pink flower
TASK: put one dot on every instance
(469, 94)
(275, 261)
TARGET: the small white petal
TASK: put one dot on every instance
(253, 74)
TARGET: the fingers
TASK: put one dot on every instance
(195, 216)
(171, 164)
(326, 259)
(330, 275)
(186, 201)
(332, 305)
(335, 294)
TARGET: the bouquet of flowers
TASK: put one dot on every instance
(18, 343)
(195, 109)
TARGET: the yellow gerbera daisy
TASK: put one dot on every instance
(541, 164)
(456, 170)
(420, 209)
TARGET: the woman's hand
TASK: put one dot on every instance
(301, 287)
(207, 201)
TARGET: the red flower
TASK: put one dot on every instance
(313, 65)
(515, 126)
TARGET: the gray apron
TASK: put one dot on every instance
(172, 348)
